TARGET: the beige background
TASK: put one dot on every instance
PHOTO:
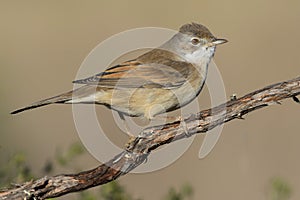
(44, 42)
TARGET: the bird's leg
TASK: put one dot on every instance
(127, 129)
(184, 126)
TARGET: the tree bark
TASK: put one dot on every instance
(151, 138)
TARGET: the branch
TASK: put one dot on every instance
(150, 139)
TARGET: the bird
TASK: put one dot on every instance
(161, 80)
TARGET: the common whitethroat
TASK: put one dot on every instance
(161, 80)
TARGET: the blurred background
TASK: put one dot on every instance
(43, 44)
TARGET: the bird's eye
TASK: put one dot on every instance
(195, 41)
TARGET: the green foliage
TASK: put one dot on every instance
(15, 170)
(280, 189)
(72, 153)
(115, 191)
(185, 192)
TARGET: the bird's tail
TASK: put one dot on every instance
(63, 98)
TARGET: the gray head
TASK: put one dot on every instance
(194, 42)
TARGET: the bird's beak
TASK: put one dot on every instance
(219, 41)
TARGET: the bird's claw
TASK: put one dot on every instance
(184, 127)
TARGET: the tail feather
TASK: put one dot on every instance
(57, 99)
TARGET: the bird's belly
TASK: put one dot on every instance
(148, 102)
(140, 102)
(188, 92)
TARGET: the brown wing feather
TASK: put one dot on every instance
(161, 72)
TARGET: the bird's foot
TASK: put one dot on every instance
(182, 124)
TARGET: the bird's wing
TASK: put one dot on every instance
(136, 73)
